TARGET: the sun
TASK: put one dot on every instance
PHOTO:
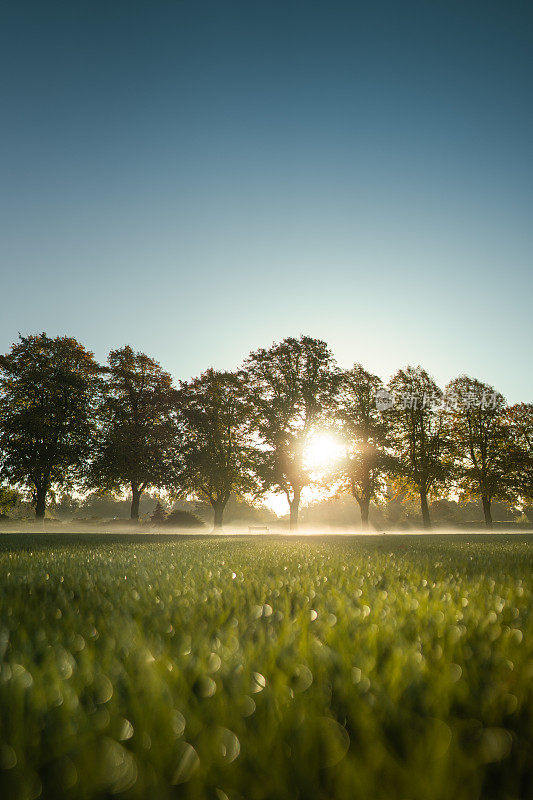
(322, 451)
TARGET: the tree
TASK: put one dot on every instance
(519, 421)
(482, 446)
(9, 499)
(64, 505)
(47, 388)
(419, 435)
(364, 430)
(291, 386)
(135, 444)
(216, 453)
(159, 514)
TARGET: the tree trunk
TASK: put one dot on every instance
(218, 508)
(426, 521)
(486, 511)
(363, 498)
(40, 501)
(294, 505)
(135, 500)
(364, 506)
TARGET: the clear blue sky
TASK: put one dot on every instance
(198, 179)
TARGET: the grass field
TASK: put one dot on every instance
(266, 667)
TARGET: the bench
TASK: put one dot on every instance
(257, 528)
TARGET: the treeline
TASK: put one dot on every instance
(67, 422)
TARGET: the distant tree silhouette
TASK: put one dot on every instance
(64, 505)
(216, 455)
(158, 515)
(484, 453)
(135, 445)
(47, 390)
(419, 435)
(364, 429)
(9, 499)
(291, 386)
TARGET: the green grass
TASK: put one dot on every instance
(266, 667)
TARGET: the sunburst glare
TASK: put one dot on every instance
(323, 451)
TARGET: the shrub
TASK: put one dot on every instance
(183, 519)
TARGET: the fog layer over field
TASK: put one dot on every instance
(148, 531)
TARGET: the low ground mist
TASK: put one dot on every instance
(142, 530)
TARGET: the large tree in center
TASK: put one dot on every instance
(483, 448)
(364, 430)
(291, 387)
(216, 457)
(419, 435)
(135, 445)
(47, 393)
